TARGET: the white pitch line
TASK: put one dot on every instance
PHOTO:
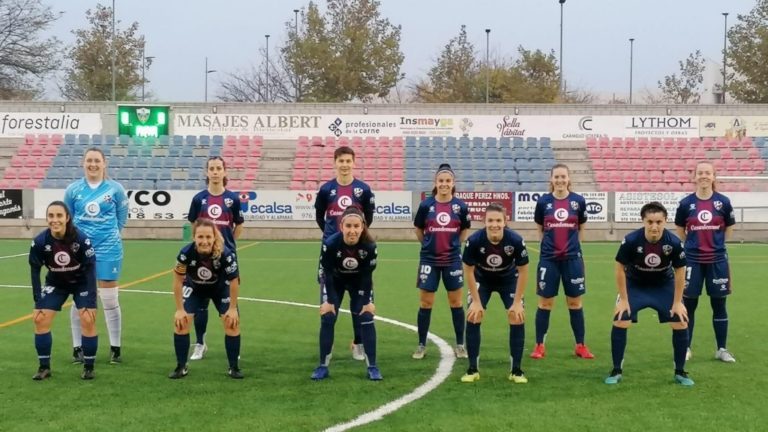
(14, 256)
(442, 372)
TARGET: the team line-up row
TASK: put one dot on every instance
(82, 250)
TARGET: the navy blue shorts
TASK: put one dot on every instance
(570, 272)
(53, 297)
(506, 293)
(430, 275)
(357, 297)
(716, 276)
(657, 297)
(197, 298)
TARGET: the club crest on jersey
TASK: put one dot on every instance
(652, 260)
(509, 250)
(667, 249)
(349, 263)
(107, 198)
(456, 208)
(216, 264)
(524, 253)
(228, 202)
(358, 192)
(204, 273)
(75, 247)
(61, 258)
(92, 208)
(494, 260)
(362, 253)
(718, 205)
(574, 205)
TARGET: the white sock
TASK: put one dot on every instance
(74, 323)
(112, 314)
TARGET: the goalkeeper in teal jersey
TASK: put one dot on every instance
(100, 209)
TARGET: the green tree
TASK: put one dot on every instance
(534, 77)
(88, 76)
(349, 53)
(685, 88)
(748, 55)
(25, 57)
(455, 76)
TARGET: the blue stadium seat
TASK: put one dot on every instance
(69, 139)
(505, 142)
(190, 140)
(218, 140)
(215, 151)
(97, 139)
(450, 141)
(164, 140)
(204, 141)
(544, 142)
(178, 140)
(157, 163)
(410, 141)
(491, 142)
(169, 162)
(124, 140)
(507, 153)
(438, 142)
(110, 140)
(518, 142)
(84, 139)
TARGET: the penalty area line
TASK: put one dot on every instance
(441, 374)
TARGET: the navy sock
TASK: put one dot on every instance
(327, 323)
(577, 324)
(719, 320)
(232, 346)
(679, 347)
(542, 324)
(368, 336)
(201, 325)
(516, 343)
(457, 315)
(690, 306)
(422, 322)
(357, 330)
(43, 343)
(619, 345)
(181, 344)
(473, 344)
(90, 345)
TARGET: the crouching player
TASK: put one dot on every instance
(496, 260)
(71, 262)
(650, 273)
(348, 259)
(206, 269)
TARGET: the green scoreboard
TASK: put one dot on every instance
(142, 120)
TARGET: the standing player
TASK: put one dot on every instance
(650, 273)
(70, 259)
(222, 207)
(705, 221)
(99, 209)
(347, 261)
(442, 223)
(496, 260)
(560, 216)
(332, 199)
(206, 269)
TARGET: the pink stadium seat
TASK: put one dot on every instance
(686, 153)
(615, 176)
(642, 143)
(668, 144)
(38, 173)
(297, 185)
(700, 154)
(670, 176)
(601, 176)
(753, 153)
(237, 163)
(607, 153)
(726, 153)
(43, 139)
(228, 152)
(694, 143)
(591, 142)
(23, 150)
(745, 166)
(746, 143)
(397, 176)
(617, 142)
(628, 177)
(663, 164)
(683, 176)
(721, 143)
(625, 164)
(707, 144)
(603, 142)
(45, 162)
(719, 164)
(688, 186)
(258, 141)
(655, 176)
(734, 144)
(36, 151)
(758, 165)
(30, 162)
(629, 143)
(598, 164)
(56, 139)
(25, 174)
(51, 151)
(310, 185)
(633, 153)
(611, 164)
(397, 164)
(594, 153)
(732, 165)
(678, 165)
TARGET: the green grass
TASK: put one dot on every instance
(280, 350)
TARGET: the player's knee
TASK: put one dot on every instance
(516, 320)
(42, 321)
(624, 324)
(682, 325)
(455, 298)
(366, 318)
(573, 302)
(109, 298)
(87, 317)
(328, 319)
(546, 303)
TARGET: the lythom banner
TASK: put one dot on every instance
(18, 124)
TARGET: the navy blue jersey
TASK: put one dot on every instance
(201, 271)
(224, 210)
(560, 219)
(442, 224)
(650, 263)
(68, 264)
(344, 264)
(705, 222)
(495, 263)
(333, 198)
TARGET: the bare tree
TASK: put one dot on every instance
(25, 58)
(251, 85)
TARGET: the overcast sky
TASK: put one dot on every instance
(181, 33)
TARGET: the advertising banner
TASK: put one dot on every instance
(10, 204)
(628, 204)
(18, 124)
(142, 204)
(478, 201)
(597, 205)
(733, 127)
